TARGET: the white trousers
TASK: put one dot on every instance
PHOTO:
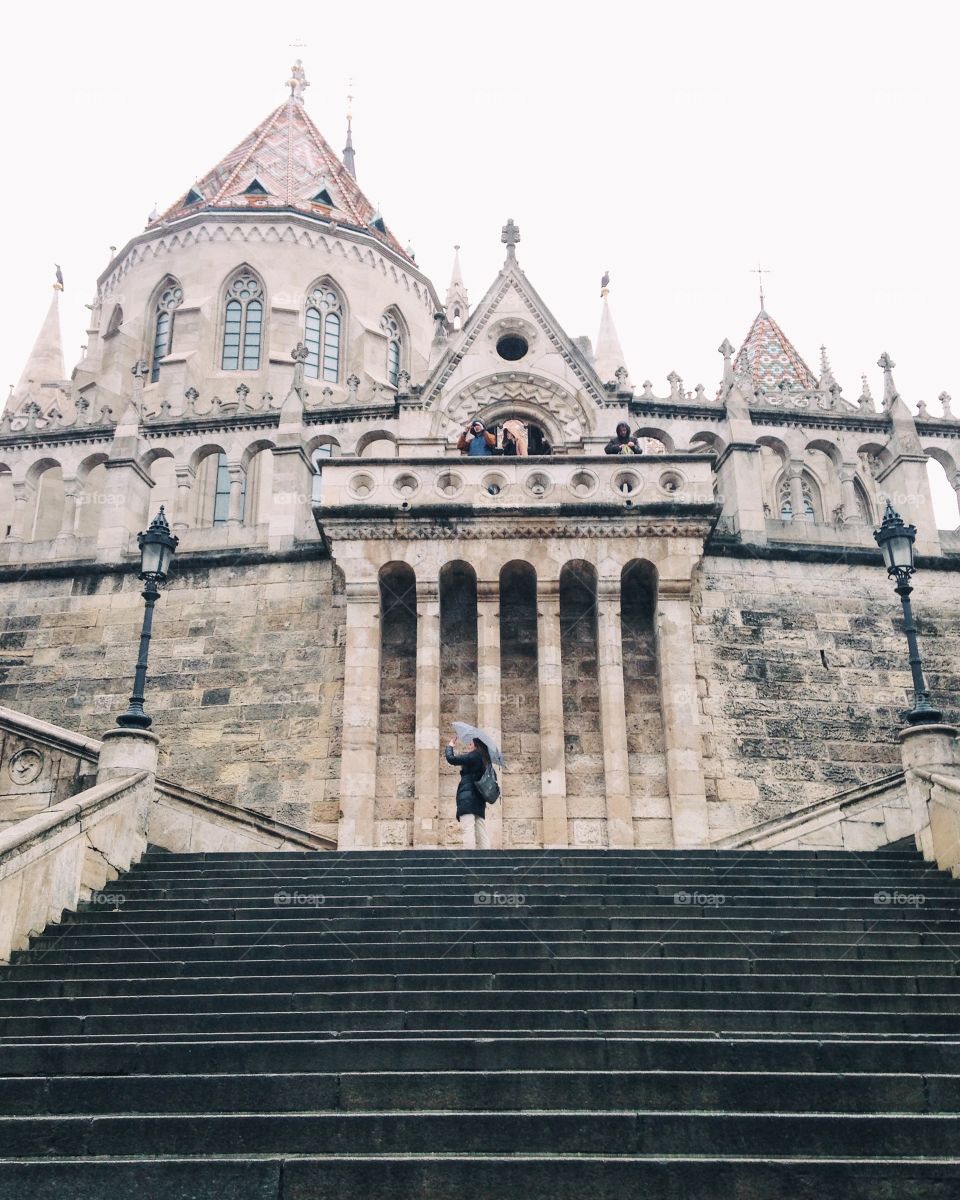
(475, 836)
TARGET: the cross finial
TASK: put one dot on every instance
(297, 83)
(510, 235)
(760, 272)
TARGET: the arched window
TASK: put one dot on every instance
(863, 502)
(391, 327)
(243, 324)
(169, 300)
(324, 322)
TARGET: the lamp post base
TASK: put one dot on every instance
(133, 719)
(923, 714)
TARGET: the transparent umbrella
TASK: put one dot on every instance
(468, 732)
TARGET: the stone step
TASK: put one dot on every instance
(529, 1052)
(482, 1090)
(610, 1132)
(461, 1177)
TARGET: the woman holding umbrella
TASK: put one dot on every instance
(477, 787)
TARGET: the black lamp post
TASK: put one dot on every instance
(896, 542)
(157, 548)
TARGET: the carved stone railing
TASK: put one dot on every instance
(583, 485)
(54, 859)
(862, 818)
(80, 811)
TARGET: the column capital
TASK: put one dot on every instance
(362, 591)
(488, 591)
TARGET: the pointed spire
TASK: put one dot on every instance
(608, 356)
(45, 364)
(349, 158)
(769, 358)
(865, 400)
(457, 304)
(827, 380)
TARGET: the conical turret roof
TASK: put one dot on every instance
(284, 163)
(770, 358)
(44, 367)
(608, 355)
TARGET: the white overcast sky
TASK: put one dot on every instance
(674, 144)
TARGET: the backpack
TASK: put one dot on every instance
(487, 786)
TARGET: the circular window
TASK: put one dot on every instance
(512, 346)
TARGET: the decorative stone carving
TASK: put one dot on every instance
(25, 766)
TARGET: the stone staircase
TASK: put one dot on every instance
(582, 1024)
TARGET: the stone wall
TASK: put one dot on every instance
(804, 677)
(520, 708)
(245, 674)
(801, 666)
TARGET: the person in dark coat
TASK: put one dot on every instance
(471, 806)
(622, 442)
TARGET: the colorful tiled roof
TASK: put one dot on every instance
(770, 357)
(284, 163)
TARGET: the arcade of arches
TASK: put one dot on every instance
(582, 669)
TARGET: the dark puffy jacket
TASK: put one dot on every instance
(471, 764)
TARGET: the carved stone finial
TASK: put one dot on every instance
(510, 235)
(191, 395)
(886, 363)
(299, 355)
(946, 400)
(647, 390)
(403, 381)
(865, 400)
(242, 393)
(353, 388)
(297, 83)
(725, 348)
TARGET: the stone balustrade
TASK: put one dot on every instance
(678, 482)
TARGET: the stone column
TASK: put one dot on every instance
(426, 803)
(235, 510)
(680, 709)
(795, 476)
(22, 494)
(292, 489)
(126, 509)
(182, 515)
(68, 524)
(848, 493)
(613, 717)
(361, 706)
(553, 771)
(488, 684)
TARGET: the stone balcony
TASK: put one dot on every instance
(676, 486)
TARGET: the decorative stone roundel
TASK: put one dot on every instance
(406, 486)
(671, 482)
(25, 766)
(361, 486)
(538, 484)
(494, 483)
(449, 484)
(627, 483)
(583, 484)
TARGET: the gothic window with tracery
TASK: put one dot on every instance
(243, 324)
(786, 502)
(322, 334)
(169, 300)
(391, 327)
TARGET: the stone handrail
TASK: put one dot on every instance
(183, 819)
(831, 821)
(52, 860)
